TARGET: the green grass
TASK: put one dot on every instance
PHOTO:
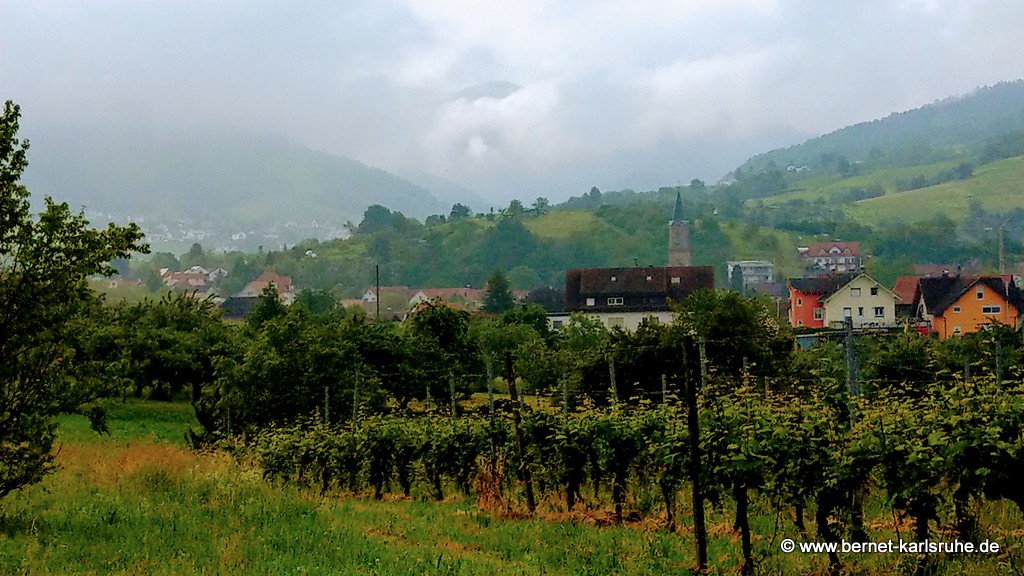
(132, 421)
(138, 502)
(998, 187)
(561, 224)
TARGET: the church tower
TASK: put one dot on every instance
(678, 237)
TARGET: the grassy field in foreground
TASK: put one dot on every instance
(139, 502)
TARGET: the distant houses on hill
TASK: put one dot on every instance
(831, 257)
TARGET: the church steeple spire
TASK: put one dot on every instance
(678, 236)
(677, 216)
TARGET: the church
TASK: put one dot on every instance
(623, 297)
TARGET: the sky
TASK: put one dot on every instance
(509, 99)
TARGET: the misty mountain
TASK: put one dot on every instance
(230, 178)
(932, 133)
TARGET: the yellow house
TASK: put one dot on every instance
(865, 301)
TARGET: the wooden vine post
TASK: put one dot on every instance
(693, 427)
(517, 421)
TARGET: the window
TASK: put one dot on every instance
(648, 278)
(799, 301)
(675, 279)
(981, 292)
(879, 311)
(614, 279)
(799, 322)
(991, 309)
(616, 322)
(855, 292)
(956, 309)
(847, 312)
(590, 301)
(615, 301)
(556, 324)
(860, 311)
(956, 330)
(819, 313)
(874, 290)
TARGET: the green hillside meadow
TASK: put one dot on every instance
(998, 187)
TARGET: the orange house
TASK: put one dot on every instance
(955, 305)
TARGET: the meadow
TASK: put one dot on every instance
(138, 501)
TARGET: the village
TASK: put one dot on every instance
(943, 300)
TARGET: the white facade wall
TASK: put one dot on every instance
(629, 321)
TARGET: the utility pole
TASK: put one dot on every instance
(1002, 262)
(852, 386)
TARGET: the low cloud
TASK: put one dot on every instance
(599, 93)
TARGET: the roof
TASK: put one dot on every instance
(677, 214)
(906, 288)
(283, 284)
(940, 293)
(823, 285)
(652, 281)
(389, 290)
(857, 275)
(820, 249)
(450, 293)
(935, 269)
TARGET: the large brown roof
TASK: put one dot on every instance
(654, 284)
(940, 293)
(823, 285)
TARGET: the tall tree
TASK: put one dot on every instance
(45, 263)
(499, 297)
(459, 211)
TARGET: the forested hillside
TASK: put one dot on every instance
(992, 115)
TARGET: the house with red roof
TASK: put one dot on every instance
(832, 257)
(283, 285)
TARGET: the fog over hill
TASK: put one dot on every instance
(213, 185)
